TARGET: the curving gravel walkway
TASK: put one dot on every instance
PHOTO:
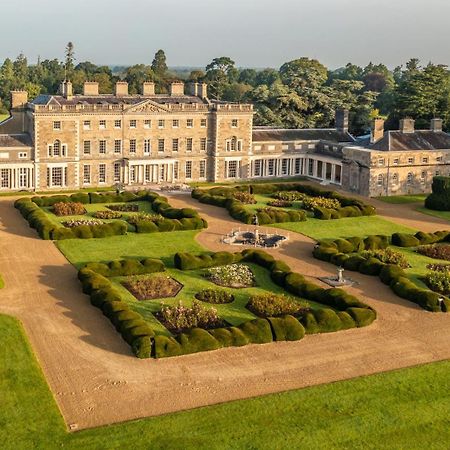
(96, 380)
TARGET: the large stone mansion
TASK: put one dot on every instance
(67, 141)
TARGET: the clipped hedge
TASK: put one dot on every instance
(224, 197)
(173, 219)
(126, 267)
(346, 253)
(439, 199)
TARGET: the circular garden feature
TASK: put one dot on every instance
(231, 275)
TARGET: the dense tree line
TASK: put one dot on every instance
(302, 93)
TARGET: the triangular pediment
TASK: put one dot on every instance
(147, 106)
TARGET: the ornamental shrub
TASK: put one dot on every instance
(142, 347)
(344, 246)
(286, 328)
(327, 320)
(197, 340)
(166, 346)
(371, 266)
(229, 337)
(390, 273)
(69, 209)
(257, 331)
(405, 240)
(362, 316)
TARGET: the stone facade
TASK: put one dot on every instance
(69, 141)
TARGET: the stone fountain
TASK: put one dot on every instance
(254, 237)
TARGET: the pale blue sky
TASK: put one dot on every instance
(257, 33)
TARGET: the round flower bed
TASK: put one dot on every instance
(78, 222)
(272, 305)
(232, 275)
(181, 318)
(215, 296)
(107, 215)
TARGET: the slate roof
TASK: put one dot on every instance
(419, 140)
(15, 140)
(45, 99)
(285, 135)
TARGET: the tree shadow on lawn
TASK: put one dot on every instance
(66, 289)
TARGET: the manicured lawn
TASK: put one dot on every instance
(231, 184)
(401, 409)
(441, 214)
(3, 117)
(346, 227)
(132, 245)
(400, 199)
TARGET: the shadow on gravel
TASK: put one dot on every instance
(66, 289)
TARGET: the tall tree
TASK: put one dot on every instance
(70, 60)
(159, 64)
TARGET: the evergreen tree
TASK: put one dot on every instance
(159, 64)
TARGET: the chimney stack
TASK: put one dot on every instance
(90, 88)
(407, 125)
(377, 130)
(121, 89)
(66, 89)
(341, 120)
(202, 90)
(193, 89)
(19, 99)
(148, 88)
(176, 88)
(436, 125)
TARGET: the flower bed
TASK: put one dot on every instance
(245, 197)
(232, 275)
(310, 203)
(291, 196)
(438, 282)
(215, 296)
(79, 222)
(273, 305)
(180, 318)
(134, 219)
(107, 215)
(149, 288)
(127, 207)
(280, 203)
(69, 209)
(436, 251)
(387, 256)
(439, 267)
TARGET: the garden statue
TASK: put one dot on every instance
(340, 275)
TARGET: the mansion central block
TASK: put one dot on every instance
(68, 141)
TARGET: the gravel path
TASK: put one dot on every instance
(96, 380)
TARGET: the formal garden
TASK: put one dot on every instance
(207, 301)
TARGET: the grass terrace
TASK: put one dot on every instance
(402, 199)
(345, 227)
(440, 214)
(399, 409)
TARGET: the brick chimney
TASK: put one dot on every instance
(193, 88)
(90, 88)
(66, 89)
(436, 125)
(19, 99)
(407, 125)
(202, 90)
(341, 120)
(377, 130)
(121, 89)
(177, 88)
(148, 88)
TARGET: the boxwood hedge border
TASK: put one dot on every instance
(223, 197)
(174, 219)
(347, 254)
(344, 310)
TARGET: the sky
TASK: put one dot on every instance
(254, 33)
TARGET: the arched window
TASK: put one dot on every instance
(57, 148)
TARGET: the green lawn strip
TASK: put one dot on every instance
(346, 227)
(399, 409)
(253, 181)
(440, 214)
(402, 199)
(2, 282)
(262, 203)
(3, 117)
(133, 245)
(193, 281)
